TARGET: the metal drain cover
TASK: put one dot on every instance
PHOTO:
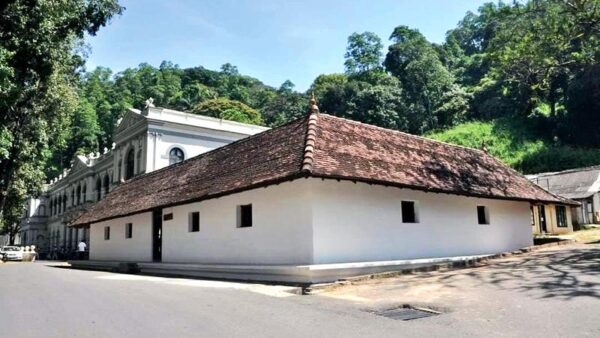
(407, 313)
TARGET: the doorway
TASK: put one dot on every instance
(157, 235)
(542, 216)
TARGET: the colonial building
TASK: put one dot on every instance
(581, 185)
(302, 201)
(144, 141)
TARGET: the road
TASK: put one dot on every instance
(546, 294)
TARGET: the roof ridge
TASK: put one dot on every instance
(404, 133)
(309, 143)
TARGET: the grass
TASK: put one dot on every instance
(591, 235)
(515, 143)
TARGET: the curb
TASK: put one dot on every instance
(319, 288)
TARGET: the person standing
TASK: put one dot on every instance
(81, 247)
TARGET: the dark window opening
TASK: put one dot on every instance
(78, 195)
(194, 222)
(176, 156)
(128, 230)
(245, 216)
(482, 215)
(84, 194)
(409, 214)
(129, 164)
(106, 233)
(168, 217)
(106, 184)
(561, 216)
(98, 189)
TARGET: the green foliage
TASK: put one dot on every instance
(517, 145)
(228, 110)
(38, 73)
(363, 53)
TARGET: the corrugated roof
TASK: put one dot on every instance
(320, 145)
(573, 183)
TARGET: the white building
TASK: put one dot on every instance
(144, 141)
(296, 202)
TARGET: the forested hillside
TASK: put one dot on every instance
(528, 73)
(520, 78)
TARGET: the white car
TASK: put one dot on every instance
(12, 253)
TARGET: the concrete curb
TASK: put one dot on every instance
(479, 261)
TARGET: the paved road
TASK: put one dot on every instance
(554, 293)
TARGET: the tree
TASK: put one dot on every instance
(363, 54)
(423, 77)
(229, 110)
(38, 72)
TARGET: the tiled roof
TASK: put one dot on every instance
(320, 145)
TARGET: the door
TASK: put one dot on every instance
(157, 235)
(542, 215)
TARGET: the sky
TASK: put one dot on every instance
(273, 40)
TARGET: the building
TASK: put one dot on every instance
(144, 141)
(581, 185)
(297, 202)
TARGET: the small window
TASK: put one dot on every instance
(106, 233)
(194, 223)
(176, 156)
(244, 216)
(483, 216)
(168, 217)
(561, 216)
(409, 213)
(128, 230)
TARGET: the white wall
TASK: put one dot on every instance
(313, 221)
(360, 222)
(138, 248)
(281, 232)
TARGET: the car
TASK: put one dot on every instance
(11, 253)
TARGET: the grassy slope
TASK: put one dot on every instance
(517, 146)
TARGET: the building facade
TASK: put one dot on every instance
(318, 192)
(144, 141)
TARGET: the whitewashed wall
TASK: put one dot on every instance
(313, 221)
(138, 248)
(360, 222)
(281, 231)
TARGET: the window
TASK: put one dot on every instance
(532, 215)
(483, 216)
(106, 184)
(78, 195)
(106, 233)
(244, 216)
(129, 164)
(119, 171)
(128, 230)
(64, 209)
(561, 216)
(176, 156)
(98, 189)
(194, 222)
(409, 214)
(84, 194)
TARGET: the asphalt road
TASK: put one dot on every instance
(555, 293)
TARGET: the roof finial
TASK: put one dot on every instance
(313, 108)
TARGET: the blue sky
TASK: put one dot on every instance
(271, 40)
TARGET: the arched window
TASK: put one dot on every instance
(42, 210)
(129, 164)
(106, 184)
(98, 188)
(72, 197)
(78, 195)
(83, 193)
(176, 156)
(120, 171)
(65, 202)
(139, 161)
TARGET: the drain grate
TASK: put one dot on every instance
(407, 312)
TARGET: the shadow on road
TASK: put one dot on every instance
(564, 274)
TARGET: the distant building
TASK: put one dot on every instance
(144, 141)
(314, 200)
(581, 185)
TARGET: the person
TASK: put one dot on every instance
(81, 249)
